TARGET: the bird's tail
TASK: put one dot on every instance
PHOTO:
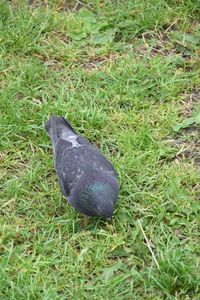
(56, 126)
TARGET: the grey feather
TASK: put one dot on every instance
(87, 179)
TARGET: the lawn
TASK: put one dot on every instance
(126, 74)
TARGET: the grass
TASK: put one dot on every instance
(125, 73)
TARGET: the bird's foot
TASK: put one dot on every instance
(84, 223)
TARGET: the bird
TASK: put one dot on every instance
(86, 177)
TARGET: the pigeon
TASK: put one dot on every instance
(87, 179)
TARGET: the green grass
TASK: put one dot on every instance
(124, 73)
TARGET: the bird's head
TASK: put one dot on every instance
(95, 195)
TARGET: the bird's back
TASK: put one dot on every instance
(73, 154)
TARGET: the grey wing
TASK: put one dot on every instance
(94, 157)
(72, 158)
(66, 165)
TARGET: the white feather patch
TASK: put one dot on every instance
(72, 139)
